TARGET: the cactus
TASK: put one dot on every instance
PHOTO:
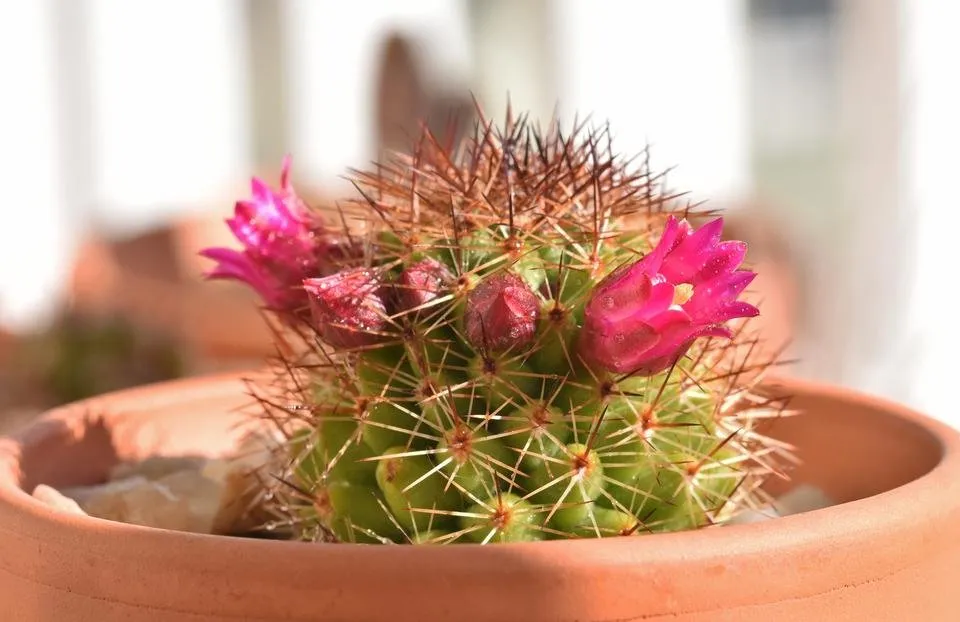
(523, 338)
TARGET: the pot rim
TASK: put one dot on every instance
(906, 508)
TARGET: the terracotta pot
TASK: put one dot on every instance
(155, 280)
(890, 551)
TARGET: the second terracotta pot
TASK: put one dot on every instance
(154, 281)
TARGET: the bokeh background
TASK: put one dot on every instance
(826, 128)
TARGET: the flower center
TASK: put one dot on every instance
(682, 293)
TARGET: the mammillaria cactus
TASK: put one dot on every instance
(522, 338)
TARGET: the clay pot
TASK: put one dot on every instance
(889, 551)
(154, 280)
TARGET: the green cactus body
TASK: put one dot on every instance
(439, 433)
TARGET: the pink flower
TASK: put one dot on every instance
(501, 313)
(283, 243)
(643, 317)
(347, 307)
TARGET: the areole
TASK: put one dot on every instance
(889, 551)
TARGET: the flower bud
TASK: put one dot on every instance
(347, 308)
(501, 314)
(421, 283)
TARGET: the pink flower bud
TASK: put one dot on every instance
(347, 308)
(642, 318)
(422, 283)
(501, 314)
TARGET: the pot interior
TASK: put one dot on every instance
(80, 444)
(852, 448)
(849, 447)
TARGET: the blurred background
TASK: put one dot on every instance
(826, 128)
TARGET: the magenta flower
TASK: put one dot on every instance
(283, 243)
(502, 313)
(347, 307)
(643, 317)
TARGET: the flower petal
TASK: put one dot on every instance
(713, 294)
(672, 346)
(726, 258)
(674, 233)
(687, 258)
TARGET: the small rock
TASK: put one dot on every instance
(59, 502)
(98, 494)
(240, 509)
(803, 498)
(157, 467)
(198, 495)
(182, 501)
(746, 517)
